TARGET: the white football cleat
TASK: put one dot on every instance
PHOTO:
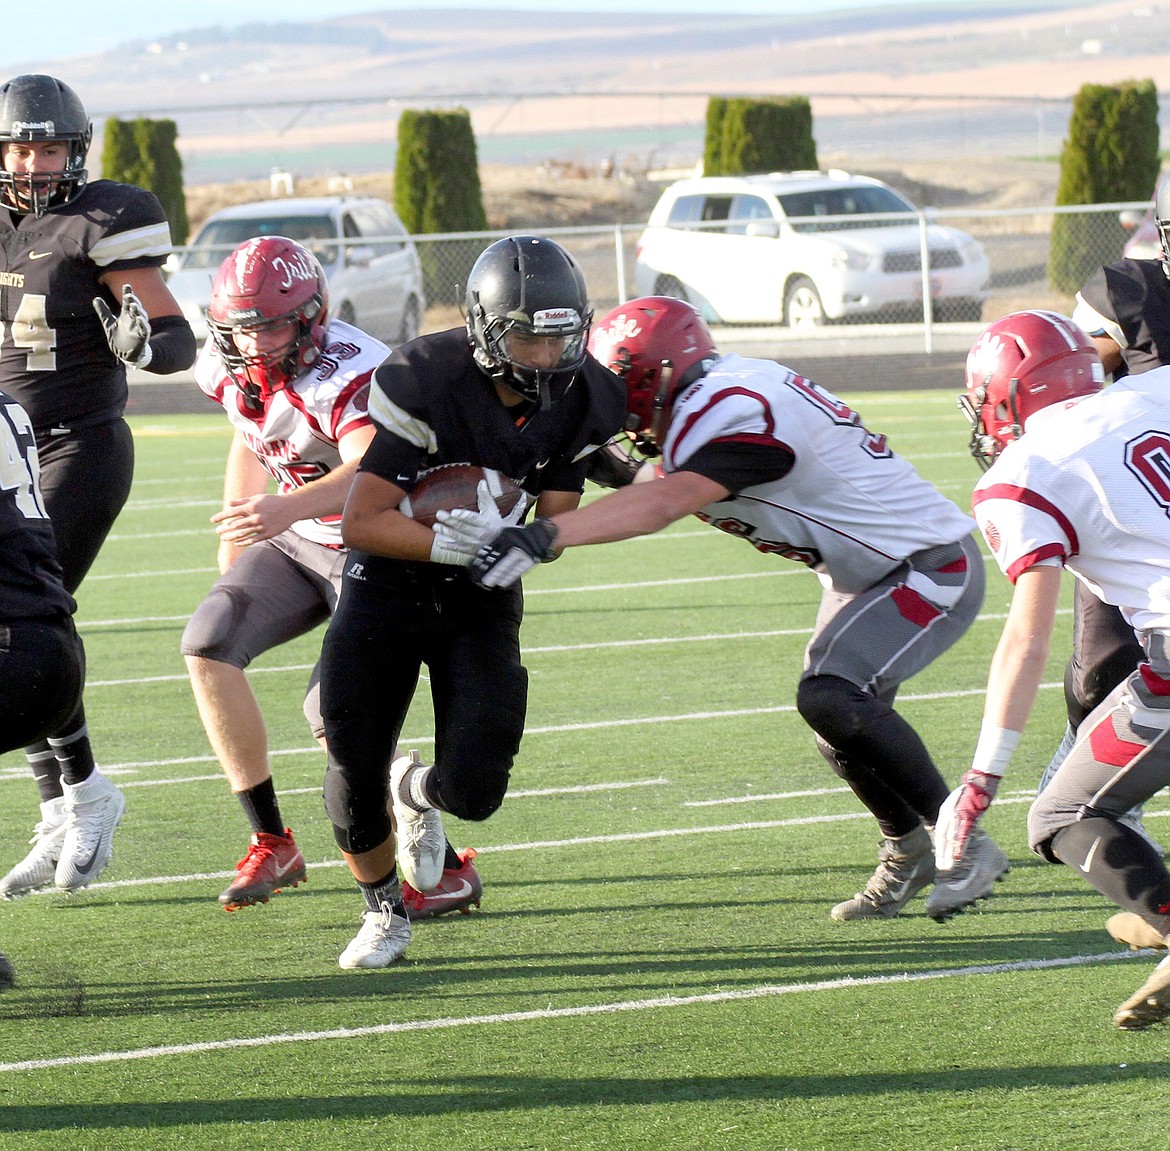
(383, 938)
(420, 845)
(93, 808)
(905, 867)
(37, 869)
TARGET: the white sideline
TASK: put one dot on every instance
(766, 990)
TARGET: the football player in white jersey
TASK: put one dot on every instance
(759, 451)
(1078, 479)
(294, 384)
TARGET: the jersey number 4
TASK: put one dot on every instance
(31, 332)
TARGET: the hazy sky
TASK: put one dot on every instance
(76, 27)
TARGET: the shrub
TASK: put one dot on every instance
(745, 136)
(1110, 155)
(144, 153)
(437, 189)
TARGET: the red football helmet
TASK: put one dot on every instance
(264, 283)
(1023, 362)
(658, 345)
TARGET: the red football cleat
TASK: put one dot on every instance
(458, 890)
(273, 862)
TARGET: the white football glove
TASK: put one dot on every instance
(127, 333)
(462, 532)
(959, 814)
(514, 552)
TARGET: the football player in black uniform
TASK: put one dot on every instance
(42, 663)
(515, 391)
(1125, 309)
(81, 297)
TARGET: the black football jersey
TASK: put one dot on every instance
(54, 358)
(30, 576)
(433, 405)
(1134, 295)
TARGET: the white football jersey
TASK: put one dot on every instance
(1088, 486)
(850, 508)
(295, 437)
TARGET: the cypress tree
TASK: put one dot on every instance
(144, 153)
(1110, 155)
(747, 135)
(437, 189)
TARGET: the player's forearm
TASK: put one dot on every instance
(601, 522)
(1017, 670)
(638, 510)
(324, 496)
(387, 533)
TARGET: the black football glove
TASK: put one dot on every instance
(127, 332)
(514, 551)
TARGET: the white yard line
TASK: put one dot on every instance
(21, 771)
(659, 1003)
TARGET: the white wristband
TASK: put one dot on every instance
(145, 358)
(995, 749)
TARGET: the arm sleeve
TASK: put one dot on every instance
(172, 345)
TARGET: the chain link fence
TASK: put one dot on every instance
(1018, 243)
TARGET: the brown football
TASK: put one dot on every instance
(451, 486)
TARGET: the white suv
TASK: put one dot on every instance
(802, 248)
(370, 262)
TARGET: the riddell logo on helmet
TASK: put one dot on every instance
(556, 318)
(48, 126)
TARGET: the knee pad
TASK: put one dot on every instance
(213, 628)
(357, 826)
(477, 797)
(837, 710)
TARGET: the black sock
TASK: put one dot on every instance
(451, 861)
(74, 755)
(386, 890)
(46, 771)
(261, 808)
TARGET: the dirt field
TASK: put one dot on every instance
(517, 197)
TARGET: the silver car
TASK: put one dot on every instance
(370, 262)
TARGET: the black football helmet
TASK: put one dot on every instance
(532, 286)
(1162, 220)
(35, 109)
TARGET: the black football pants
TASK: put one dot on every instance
(393, 618)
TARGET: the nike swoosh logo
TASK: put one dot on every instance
(1089, 858)
(896, 892)
(464, 890)
(958, 885)
(86, 867)
(38, 255)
